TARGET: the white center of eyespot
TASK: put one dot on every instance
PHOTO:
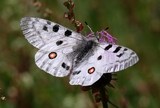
(52, 55)
(91, 70)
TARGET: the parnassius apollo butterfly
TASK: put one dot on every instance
(65, 52)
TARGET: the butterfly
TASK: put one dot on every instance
(63, 52)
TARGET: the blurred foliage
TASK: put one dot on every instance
(135, 23)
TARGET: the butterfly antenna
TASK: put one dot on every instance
(91, 30)
(89, 27)
(106, 28)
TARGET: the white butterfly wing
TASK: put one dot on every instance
(40, 32)
(106, 58)
(55, 43)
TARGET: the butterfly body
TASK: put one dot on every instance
(84, 51)
(64, 52)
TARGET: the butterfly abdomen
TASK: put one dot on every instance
(85, 50)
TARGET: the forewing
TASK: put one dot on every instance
(106, 58)
(40, 32)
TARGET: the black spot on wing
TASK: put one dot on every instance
(125, 49)
(59, 42)
(45, 28)
(67, 68)
(48, 22)
(99, 58)
(108, 47)
(56, 28)
(120, 55)
(63, 65)
(76, 72)
(132, 53)
(67, 33)
(117, 49)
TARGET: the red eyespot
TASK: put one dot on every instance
(52, 55)
(91, 70)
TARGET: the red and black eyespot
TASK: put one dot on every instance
(91, 70)
(52, 55)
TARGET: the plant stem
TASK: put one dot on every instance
(103, 97)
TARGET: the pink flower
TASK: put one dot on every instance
(103, 36)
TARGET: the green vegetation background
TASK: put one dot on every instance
(135, 23)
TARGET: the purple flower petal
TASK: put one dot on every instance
(105, 35)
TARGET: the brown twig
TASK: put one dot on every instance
(104, 98)
(69, 4)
